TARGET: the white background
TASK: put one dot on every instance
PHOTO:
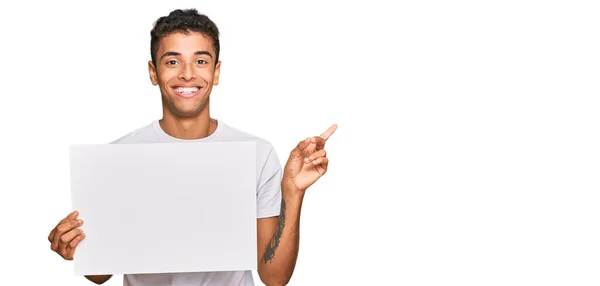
(467, 149)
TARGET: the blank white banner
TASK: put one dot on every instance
(162, 208)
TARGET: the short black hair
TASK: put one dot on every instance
(183, 21)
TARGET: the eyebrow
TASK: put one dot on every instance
(179, 54)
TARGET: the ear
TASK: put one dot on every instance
(152, 72)
(216, 74)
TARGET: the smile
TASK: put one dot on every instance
(186, 91)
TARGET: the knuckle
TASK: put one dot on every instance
(74, 242)
(62, 228)
(64, 239)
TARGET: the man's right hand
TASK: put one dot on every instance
(65, 237)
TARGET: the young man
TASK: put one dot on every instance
(185, 65)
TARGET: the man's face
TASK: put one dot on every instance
(185, 72)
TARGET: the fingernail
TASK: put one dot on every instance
(306, 160)
(80, 221)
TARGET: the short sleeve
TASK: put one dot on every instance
(268, 195)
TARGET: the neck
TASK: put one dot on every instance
(189, 128)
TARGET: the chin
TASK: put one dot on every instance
(186, 112)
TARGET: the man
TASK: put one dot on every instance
(185, 65)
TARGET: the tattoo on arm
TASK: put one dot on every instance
(270, 251)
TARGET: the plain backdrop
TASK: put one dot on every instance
(467, 148)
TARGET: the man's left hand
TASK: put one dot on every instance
(307, 163)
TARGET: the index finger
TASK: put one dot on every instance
(73, 215)
(329, 132)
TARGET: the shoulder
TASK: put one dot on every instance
(230, 133)
(144, 134)
(265, 152)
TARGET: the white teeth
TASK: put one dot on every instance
(186, 90)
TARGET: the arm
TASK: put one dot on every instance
(279, 237)
(278, 241)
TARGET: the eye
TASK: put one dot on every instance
(201, 62)
(171, 62)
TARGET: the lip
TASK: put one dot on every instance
(186, 95)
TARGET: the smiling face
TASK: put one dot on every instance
(185, 72)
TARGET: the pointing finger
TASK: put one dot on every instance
(329, 132)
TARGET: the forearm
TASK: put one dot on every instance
(279, 259)
(98, 279)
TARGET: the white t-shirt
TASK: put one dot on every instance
(268, 200)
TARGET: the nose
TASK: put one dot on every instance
(187, 72)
